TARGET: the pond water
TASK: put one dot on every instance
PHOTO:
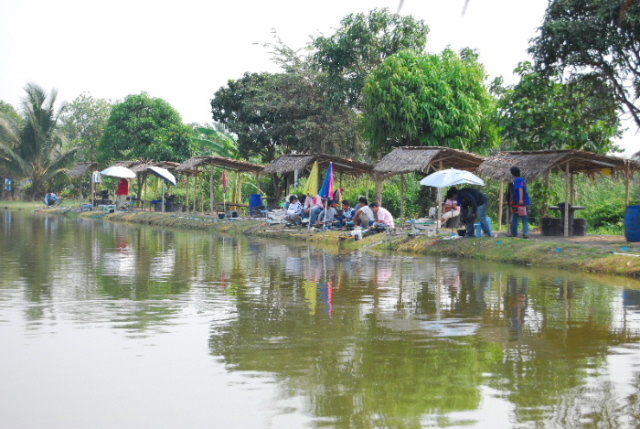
(108, 325)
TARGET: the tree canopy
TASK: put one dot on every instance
(594, 38)
(84, 121)
(541, 113)
(362, 43)
(429, 100)
(142, 127)
(273, 114)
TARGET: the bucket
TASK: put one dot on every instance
(255, 201)
(477, 227)
(632, 223)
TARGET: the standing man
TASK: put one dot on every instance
(474, 203)
(122, 193)
(520, 204)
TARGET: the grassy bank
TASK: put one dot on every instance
(608, 256)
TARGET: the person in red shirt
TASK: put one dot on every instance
(122, 193)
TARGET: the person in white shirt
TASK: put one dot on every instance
(364, 217)
(294, 211)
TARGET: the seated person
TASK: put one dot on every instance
(328, 215)
(384, 219)
(347, 214)
(362, 201)
(51, 199)
(364, 217)
(451, 207)
(294, 211)
(312, 207)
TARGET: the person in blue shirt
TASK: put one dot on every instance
(473, 204)
(346, 215)
(520, 204)
(51, 199)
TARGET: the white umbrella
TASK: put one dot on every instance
(445, 178)
(164, 174)
(119, 172)
(451, 177)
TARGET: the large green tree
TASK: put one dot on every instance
(429, 100)
(541, 113)
(143, 127)
(362, 43)
(598, 38)
(34, 148)
(274, 114)
(84, 121)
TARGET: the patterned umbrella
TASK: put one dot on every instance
(328, 187)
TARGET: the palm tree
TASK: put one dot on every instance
(35, 148)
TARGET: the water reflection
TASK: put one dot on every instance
(349, 340)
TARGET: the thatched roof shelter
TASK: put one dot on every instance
(192, 165)
(293, 162)
(82, 168)
(407, 159)
(540, 163)
(536, 164)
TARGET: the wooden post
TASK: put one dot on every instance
(163, 205)
(402, 197)
(440, 202)
(379, 187)
(501, 206)
(566, 204)
(211, 190)
(629, 177)
(572, 189)
(187, 202)
(200, 194)
(547, 179)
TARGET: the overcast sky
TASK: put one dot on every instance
(184, 51)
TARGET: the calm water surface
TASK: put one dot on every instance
(112, 326)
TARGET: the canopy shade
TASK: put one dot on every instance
(451, 177)
(119, 172)
(163, 173)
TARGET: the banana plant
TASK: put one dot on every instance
(216, 141)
